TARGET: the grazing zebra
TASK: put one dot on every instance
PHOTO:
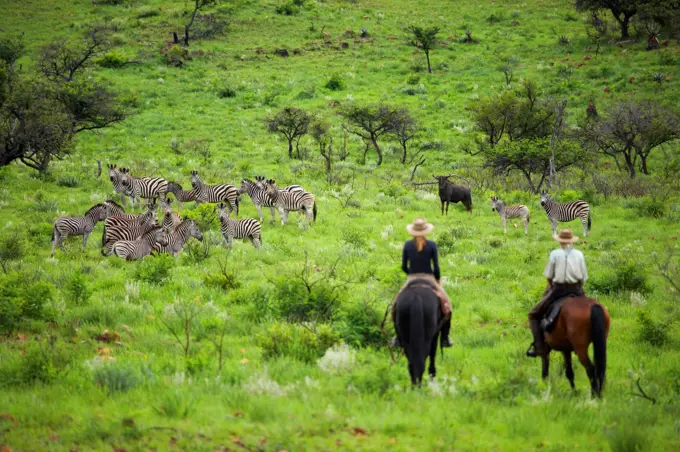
(239, 229)
(181, 195)
(214, 193)
(177, 238)
(145, 187)
(117, 180)
(123, 229)
(132, 250)
(520, 211)
(566, 212)
(291, 201)
(64, 227)
(170, 219)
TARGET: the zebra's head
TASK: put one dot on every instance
(113, 173)
(97, 212)
(113, 209)
(494, 203)
(156, 235)
(545, 198)
(270, 186)
(194, 231)
(246, 186)
(195, 180)
(166, 205)
(260, 182)
(222, 212)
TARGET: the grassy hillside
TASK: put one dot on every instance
(94, 365)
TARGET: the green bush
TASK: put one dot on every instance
(226, 91)
(155, 269)
(114, 378)
(360, 325)
(288, 9)
(335, 83)
(68, 180)
(413, 79)
(294, 303)
(568, 196)
(112, 60)
(296, 341)
(653, 332)
(176, 404)
(648, 207)
(77, 289)
(11, 249)
(22, 297)
(627, 276)
(147, 11)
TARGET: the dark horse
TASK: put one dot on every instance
(450, 192)
(417, 321)
(581, 321)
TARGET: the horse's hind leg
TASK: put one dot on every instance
(569, 369)
(583, 357)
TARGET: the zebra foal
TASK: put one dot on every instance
(116, 178)
(248, 228)
(132, 250)
(566, 212)
(287, 201)
(177, 238)
(519, 211)
(214, 193)
(84, 226)
(181, 195)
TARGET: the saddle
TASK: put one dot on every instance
(444, 303)
(550, 318)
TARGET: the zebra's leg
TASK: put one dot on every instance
(284, 218)
(553, 223)
(505, 229)
(256, 242)
(85, 236)
(259, 212)
(584, 221)
(526, 226)
(55, 242)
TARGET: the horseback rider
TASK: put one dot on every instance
(566, 273)
(420, 261)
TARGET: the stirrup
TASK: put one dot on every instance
(531, 351)
(446, 342)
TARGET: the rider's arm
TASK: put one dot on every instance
(435, 262)
(549, 271)
(404, 260)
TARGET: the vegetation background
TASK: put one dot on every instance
(282, 349)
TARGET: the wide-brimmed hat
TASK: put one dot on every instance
(565, 236)
(419, 227)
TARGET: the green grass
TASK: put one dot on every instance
(62, 389)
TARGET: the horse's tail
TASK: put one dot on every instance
(598, 335)
(416, 344)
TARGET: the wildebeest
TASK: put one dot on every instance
(450, 192)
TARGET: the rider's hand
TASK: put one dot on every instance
(439, 282)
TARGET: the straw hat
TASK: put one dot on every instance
(565, 236)
(419, 227)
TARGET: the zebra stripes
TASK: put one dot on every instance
(113, 209)
(125, 229)
(214, 193)
(566, 212)
(518, 211)
(239, 229)
(84, 226)
(145, 187)
(116, 179)
(138, 249)
(177, 238)
(181, 195)
(170, 219)
(287, 201)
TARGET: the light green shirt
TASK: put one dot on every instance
(566, 266)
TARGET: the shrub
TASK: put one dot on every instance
(155, 270)
(112, 60)
(648, 207)
(11, 249)
(22, 297)
(176, 405)
(115, 378)
(337, 359)
(627, 276)
(209, 26)
(413, 79)
(77, 289)
(68, 180)
(226, 91)
(297, 304)
(287, 9)
(360, 325)
(495, 18)
(147, 11)
(563, 40)
(414, 90)
(295, 341)
(654, 332)
(335, 83)
(176, 55)
(354, 238)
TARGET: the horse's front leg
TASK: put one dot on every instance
(546, 364)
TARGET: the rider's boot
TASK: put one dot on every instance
(538, 348)
(446, 328)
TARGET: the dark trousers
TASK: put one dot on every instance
(551, 295)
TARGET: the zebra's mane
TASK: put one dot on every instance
(111, 201)
(91, 209)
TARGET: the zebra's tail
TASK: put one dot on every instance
(589, 221)
(314, 211)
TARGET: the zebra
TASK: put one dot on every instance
(262, 185)
(520, 211)
(113, 209)
(170, 219)
(566, 212)
(123, 229)
(115, 218)
(139, 248)
(177, 238)
(214, 193)
(84, 226)
(117, 180)
(291, 201)
(145, 187)
(181, 195)
(258, 193)
(248, 228)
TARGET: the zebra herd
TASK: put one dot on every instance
(133, 237)
(557, 212)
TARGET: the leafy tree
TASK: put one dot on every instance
(370, 122)
(424, 38)
(290, 122)
(198, 5)
(622, 10)
(630, 132)
(40, 116)
(320, 131)
(405, 129)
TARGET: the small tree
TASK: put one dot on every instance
(320, 131)
(370, 122)
(622, 10)
(198, 4)
(424, 38)
(405, 128)
(290, 122)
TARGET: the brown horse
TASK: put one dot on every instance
(581, 321)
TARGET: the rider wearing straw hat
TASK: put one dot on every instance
(420, 260)
(566, 273)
